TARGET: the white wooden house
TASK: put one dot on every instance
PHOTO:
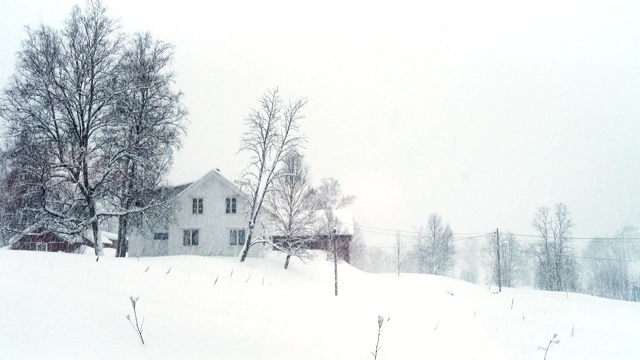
(209, 217)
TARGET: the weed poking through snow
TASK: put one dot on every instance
(137, 326)
(381, 325)
(552, 342)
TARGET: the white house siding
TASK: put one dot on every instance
(213, 224)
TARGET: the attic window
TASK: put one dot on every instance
(231, 205)
(197, 208)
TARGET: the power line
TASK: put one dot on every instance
(413, 234)
(394, 231)
(603, 238)
(467, 251)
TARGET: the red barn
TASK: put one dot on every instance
(46, 240)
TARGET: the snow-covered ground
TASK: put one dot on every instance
(62, 306)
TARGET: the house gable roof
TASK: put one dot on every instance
(181, 190)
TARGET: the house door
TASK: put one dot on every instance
(160, 244)
(162, 248)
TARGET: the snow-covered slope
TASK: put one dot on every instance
(61, 306)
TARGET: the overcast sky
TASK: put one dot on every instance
(479, 112)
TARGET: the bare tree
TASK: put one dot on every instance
(99, 122)
(512, 258)
(291, 205)
(24, 165)
(330, 199)
(62, 93)
(556, 268)
(358, 249)
(469, 261)
(399, 254)
(271, 132)
(330, 196)
(150, 122)
(608, 271)
(378, 261)
(434, 246)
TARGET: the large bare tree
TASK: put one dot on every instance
(62, 92)
(79, 110)
(150, 123)
(272, 130)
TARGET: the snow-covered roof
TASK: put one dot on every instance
(183, 189)
(108, 237)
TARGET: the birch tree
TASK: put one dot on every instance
(98, 122)
(150, 121)
(358, 249)
(609, 270)
(291, 208)
(556, 268)
(470, 262)
(23, 167)
(399, 255)
(329, 199)
(330, 196)
(512, 259)
(62, 92)
(434, 246)
(272, 130)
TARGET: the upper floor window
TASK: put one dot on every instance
(231, 205)
(237, 236)
(190, 237)
(196, 208)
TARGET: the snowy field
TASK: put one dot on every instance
(61, 306)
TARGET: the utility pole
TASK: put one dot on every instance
(498, 258)
(335, 258)
(398, 253)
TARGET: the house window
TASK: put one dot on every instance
(161, 236)
(190, 238)
(237, 237)
(196, 208)
(231, 205)
(41, 247)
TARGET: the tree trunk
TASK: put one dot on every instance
(247, 244)
(121, 250)
(286, 262)
(96, 235)
(123, 220)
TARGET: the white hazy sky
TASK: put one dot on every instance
(481, 112)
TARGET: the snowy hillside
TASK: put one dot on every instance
(55, 306)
